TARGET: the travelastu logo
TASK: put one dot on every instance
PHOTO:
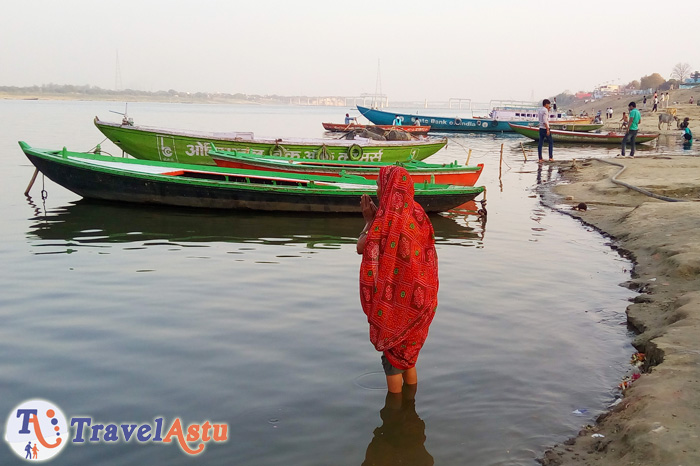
(37, 430)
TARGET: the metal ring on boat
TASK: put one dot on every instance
(563, 127)
(458, 121)
(322, 153)
(494, 123)
(355, 152)
(278, 147)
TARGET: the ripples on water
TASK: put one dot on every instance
(127, 313)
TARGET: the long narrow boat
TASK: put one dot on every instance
(497, 122)
(581, 127)
(166, 183)
(168, 145)
(450, 173)
(437, 124)
(342, 128)
(581, 137)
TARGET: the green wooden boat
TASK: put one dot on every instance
(124, 179)
(533, 132)
(168, 145)
(445, 173)
(580, 127)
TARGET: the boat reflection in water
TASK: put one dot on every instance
(89, 222)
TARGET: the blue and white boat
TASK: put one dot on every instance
(499, 120)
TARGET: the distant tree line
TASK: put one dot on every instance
(88, 90)
(680, 73)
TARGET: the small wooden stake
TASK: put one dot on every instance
(31, 183)
(468, 156)
(500, 168)
(524, 153)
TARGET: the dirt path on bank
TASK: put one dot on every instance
(658, 420)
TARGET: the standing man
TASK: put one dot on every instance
(543, 117)
(631, 136)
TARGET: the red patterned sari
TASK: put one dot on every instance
(399, 271)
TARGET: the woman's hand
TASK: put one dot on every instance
(369, 209)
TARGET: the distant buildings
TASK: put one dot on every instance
(691, 82)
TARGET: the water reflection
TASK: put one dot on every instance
(401, 437)
(89, 222)
(547, 173)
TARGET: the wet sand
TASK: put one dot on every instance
(657, 422)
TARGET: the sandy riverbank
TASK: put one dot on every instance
(679, 100)
(658, 421)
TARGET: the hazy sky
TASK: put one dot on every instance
(487, 49)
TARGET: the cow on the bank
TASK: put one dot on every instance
(667, 118)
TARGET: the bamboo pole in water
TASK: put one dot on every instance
(524, 153)
(468, 156)
(500, 168)
(31, 183)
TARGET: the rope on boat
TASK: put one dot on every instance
(636, 188)
(482, 212)
(97, 149)
(463, 147)
(44, 194)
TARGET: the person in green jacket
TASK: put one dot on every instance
(631, 136)
(687, 134)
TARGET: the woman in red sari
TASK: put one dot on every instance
(398, 275)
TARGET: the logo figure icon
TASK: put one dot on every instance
(36, 430)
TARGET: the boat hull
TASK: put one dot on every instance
(128, 180)
(438, 124)
(342, 128)
(160, 144)
(580, 127)
(420, 172)
(581, 137)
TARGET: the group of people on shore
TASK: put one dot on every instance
(631, 123)
(628, 122)
(659, 100)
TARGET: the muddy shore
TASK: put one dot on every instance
(657, 420)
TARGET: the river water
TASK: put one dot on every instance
(127, 314)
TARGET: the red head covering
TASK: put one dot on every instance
(399, 274)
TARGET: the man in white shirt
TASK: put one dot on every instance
(543, 117)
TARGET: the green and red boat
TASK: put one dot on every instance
(446, 173)
(125, 179)
(533, 132)
(169, 145)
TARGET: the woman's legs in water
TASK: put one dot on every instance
(395, 382)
